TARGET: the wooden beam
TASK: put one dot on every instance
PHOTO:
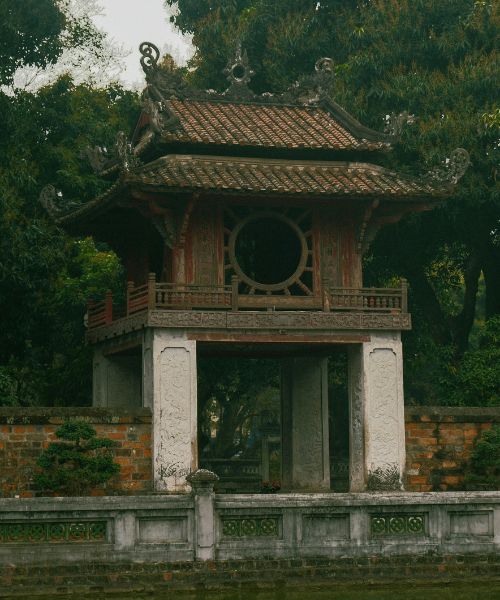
(270, 338)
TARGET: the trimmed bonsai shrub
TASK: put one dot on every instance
(483, 471)
(78, 463)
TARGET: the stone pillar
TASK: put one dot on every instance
(125, 527)
(99, 379)
(116, 380)
(202, 483)
(169, 388)
(377, 441)
(305, 448)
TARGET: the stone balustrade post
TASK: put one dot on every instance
(124, 533)
(202, 483)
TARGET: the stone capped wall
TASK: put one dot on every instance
(25, 432)
(439, 442)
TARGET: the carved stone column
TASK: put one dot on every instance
(202, 483)
(304, 413)
(377, 444)
(169, 368)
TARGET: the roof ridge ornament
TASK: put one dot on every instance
(98, 158)
(239, 74)
(150, 55)
(125, 153)
(313, 88)
(453, 168)
(324, 73)
(395, 124)
(54, 203)
(104, 162)
(160, 117)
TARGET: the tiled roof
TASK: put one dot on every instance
(209, 173)
(264, 125)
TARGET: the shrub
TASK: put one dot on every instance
(483, 471)
(78, 463)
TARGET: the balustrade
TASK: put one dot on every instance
(155, 295)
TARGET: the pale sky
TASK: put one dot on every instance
(130, 22)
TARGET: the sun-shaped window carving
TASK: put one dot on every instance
(270, 251)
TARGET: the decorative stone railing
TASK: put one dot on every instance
(207, 526)
(174, 296)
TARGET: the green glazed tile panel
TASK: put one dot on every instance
(58, 531)
(250, 527)
(397, 524)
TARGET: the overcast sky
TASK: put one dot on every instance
(130, 22)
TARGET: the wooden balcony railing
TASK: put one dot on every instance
(171, 295)
(369, 299)
(175, 296)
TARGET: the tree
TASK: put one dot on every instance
(31, 34)
(88, 55)
(234, 390)
(78, 463)
(45, 277)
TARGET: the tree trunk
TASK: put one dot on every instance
(491, 272)
(424, 295)
(462, 323)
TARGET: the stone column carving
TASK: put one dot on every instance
(305, 446)
(170, 379)
(377, 413)
(202, 484)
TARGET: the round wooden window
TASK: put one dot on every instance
(268, 251)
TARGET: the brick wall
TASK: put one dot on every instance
(475, 576)
(25, 432)
(439, 441)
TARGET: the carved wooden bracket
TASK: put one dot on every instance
(364, 227)
(181, 238)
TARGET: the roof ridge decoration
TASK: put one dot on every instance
(452, 169)
(164, 84)
(122, 157)
(309, 89)
(239, 74)
(312, 90)
(54, 202)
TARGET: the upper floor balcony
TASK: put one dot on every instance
(193, 305)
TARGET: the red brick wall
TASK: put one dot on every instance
(25, 432)
(439, 441)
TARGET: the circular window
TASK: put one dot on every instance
(238, 72)
(268, 251)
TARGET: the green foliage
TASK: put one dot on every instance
(471, 380)
(484, 468)
(476, 381)
(31, 34)
(46, 277)
(77, 464)
(234, 391)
